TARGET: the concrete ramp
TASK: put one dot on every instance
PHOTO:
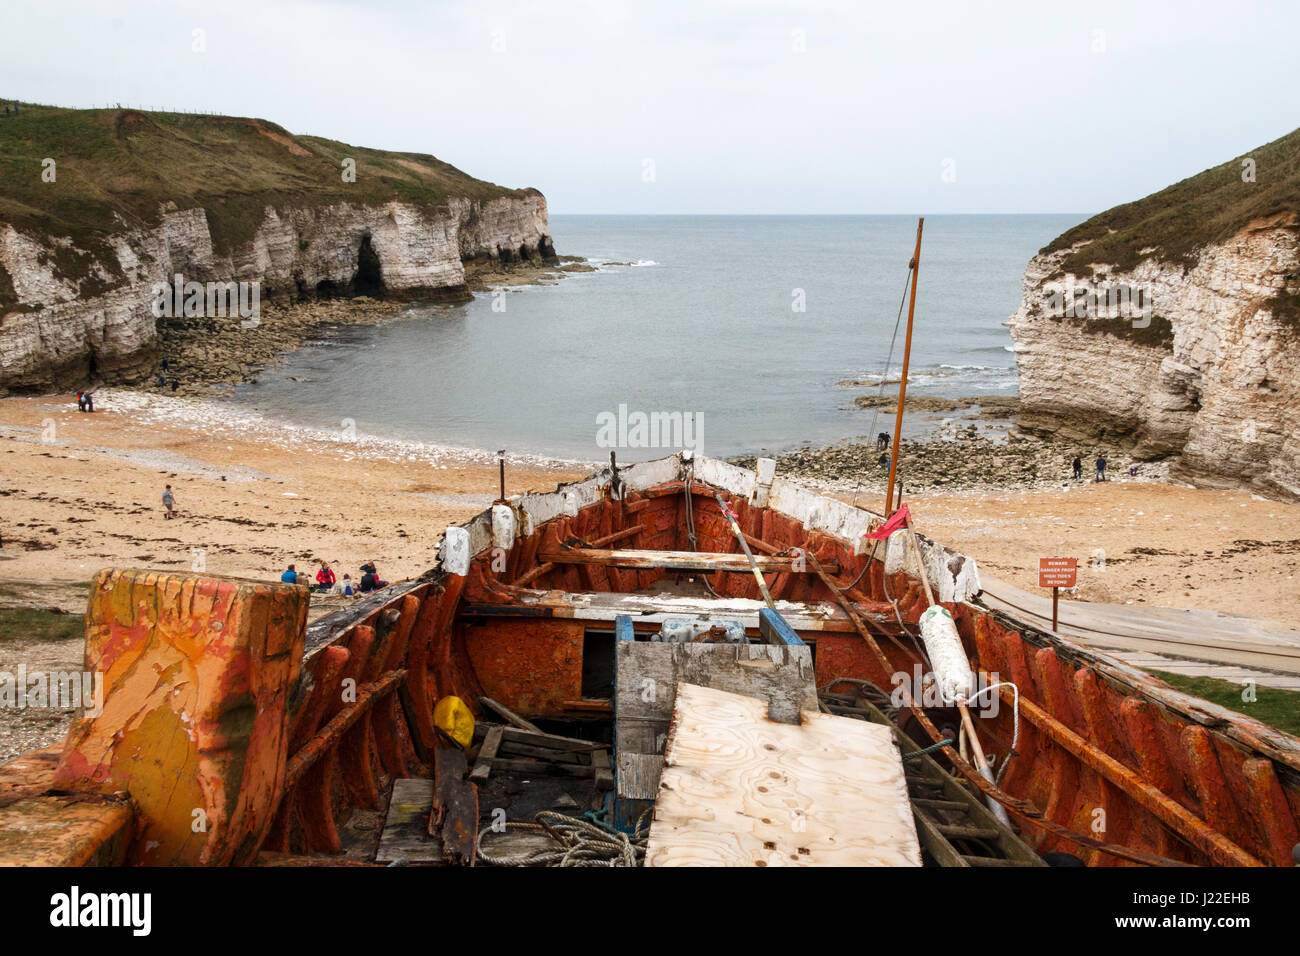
(739, 789)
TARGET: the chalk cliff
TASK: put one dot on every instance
(77, 292)
(1206, 368)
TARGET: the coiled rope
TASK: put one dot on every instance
(577, 843)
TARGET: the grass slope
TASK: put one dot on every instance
(1276, 708)
(123, 164)
(1202, 209)
(1178, 221)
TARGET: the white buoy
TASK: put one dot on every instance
(947, 656)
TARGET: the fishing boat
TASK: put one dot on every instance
(676, 661)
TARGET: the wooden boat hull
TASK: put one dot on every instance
(1117, 766)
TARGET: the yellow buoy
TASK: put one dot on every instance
(455, 719)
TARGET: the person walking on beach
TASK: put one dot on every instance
(90, 402)
(882, 441)
(1078, 467)
(1101, 467)
(81, 401)
(169, 503)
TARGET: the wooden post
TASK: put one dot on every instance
(1057, 573)
(907, 357)
(744, 546)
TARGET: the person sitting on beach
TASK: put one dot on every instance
(1078, 467)
(169, 502)
(370, 580)
(1101, 468)
(290, 576)
(324, 578)
(348, 587)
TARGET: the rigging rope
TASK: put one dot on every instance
(880, 388)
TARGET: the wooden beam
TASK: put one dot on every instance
(708, 562)
(455, 813)
(532, 575)
(505, 712)
(486, 754)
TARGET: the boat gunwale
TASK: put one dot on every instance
(828, 516)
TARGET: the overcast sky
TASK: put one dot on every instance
(662, 106)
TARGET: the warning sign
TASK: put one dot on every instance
(1057, 572)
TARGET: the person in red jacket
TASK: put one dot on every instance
(325, 578)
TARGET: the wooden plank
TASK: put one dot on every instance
(545, 768)
(507, 714)
(486, 753)
(648, 673)
(679, 560)
(648, 609)
(739, 789)
(638, 775)
(774, 629)
(455, 816)
(406, 828)
(604, 775)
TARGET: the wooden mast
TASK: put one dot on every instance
(902, 385)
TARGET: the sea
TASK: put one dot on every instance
(728, 334)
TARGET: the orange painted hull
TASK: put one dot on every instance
(360, 710)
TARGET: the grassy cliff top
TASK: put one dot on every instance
(1206, 208)
(127, 163)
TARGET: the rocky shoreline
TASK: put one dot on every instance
(205, 357)
(964, 460)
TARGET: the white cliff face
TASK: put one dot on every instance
(1223, 396)
(58, 338)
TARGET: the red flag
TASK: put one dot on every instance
(897, 520)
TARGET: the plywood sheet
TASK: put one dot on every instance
(647, 675)
(739, 789)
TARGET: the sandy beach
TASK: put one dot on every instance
(81, 492)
